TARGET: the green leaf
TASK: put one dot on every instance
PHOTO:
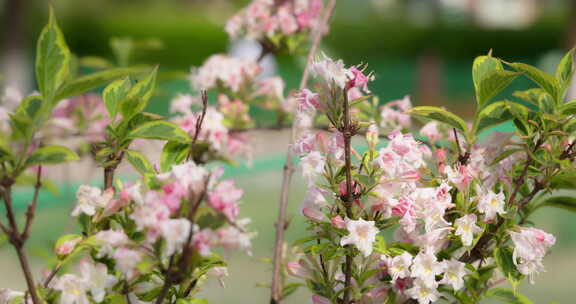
(492, 83)
(504, 155)
(173, 153)
(89, 82)
(505, 261)
(160, 129)
(440, 115)
(568, 108)
(139, 94)
(139, 162)
(52, 59)
(564, 202)
(507, 295)
(51, 155)
(114, 94)
(483, 65)
(5, 153)
(497, 113)
(542, 79)
(565, 70)
(563, 180)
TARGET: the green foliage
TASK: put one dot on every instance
(505, 262)
(114, 94)
(92, 81)
(544, 80)
(441, 115)
(564, 202)
(138, 96)
(497, 113)
(140, 162)
(51, 155)
(173, 153)
(508, 296)
(489, 78)
(162, 130)
(52, 59)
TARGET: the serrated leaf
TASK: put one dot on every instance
(51, 155)
(86, 83)
(544, 80)
(114, 94)
(507, 295)
(52, 59)
(162, 130)
(140, 162)
(497, 113)
(565, 70)
(441, 115)
(492, 83)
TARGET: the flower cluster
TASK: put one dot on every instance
(443, 203)
(265, 19)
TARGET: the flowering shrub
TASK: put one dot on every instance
(459, 206)
(438, 215)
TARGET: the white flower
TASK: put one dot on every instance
(362, 234)
(182, 103)
(97, 279)
(312, 165)
(490, 203)
(466, 227)
(188, 175)
(426, 267)
(73, 289)
(332, 71)
(454, 273)
(90, 198)
(423, 292)
(530, 247)
(109, 240)
(175, 232)
(399, 266)
(126, 261)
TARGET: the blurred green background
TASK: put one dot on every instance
(423, 48)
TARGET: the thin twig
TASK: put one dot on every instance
(199, 122)
(17, 241)
(52, 275)
(32, 207)
(288, 169)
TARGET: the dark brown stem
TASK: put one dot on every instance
(198, 123)
(32, 207)
(52, 275)
(281, 223)
(110, 171)
(17, 241)
(347, 132)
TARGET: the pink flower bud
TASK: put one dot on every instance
(338, 222)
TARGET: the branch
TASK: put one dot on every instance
(17, 241)
(32, 207)
(288, 170)
(347, 133)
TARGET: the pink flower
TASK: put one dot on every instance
(308, 101)
(431, 131)
(287, 21)
(338, 222)
(68, 246)
(320, 300)
(305, 143)
(358, 79)
(203, 240)
(466, 228)
(224, 198)
(460, 176)
(299, 269)
(530, 247)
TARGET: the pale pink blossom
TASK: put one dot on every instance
(175, 233)
(224, 198)
(97, 279)
(332, 72)
(361, 234)
(338, 222)
(530, 247)
(127, 260)
(431, 131)
(312, 165)
(90, 199)
(73, 289)
(454, 272)
(423, 291)
(68, 246)
(426, 267)
(182, 103)
(490, 203)
(460, 176)
(109, 240)
(399, 266)
(307, 101)
(466, 228)
(305, 143)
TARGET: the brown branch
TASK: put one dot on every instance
(52, 275)
(281, 224)
(110, 171)
(199, 122)
(32, 207)
(347, 132)
(16, 239)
